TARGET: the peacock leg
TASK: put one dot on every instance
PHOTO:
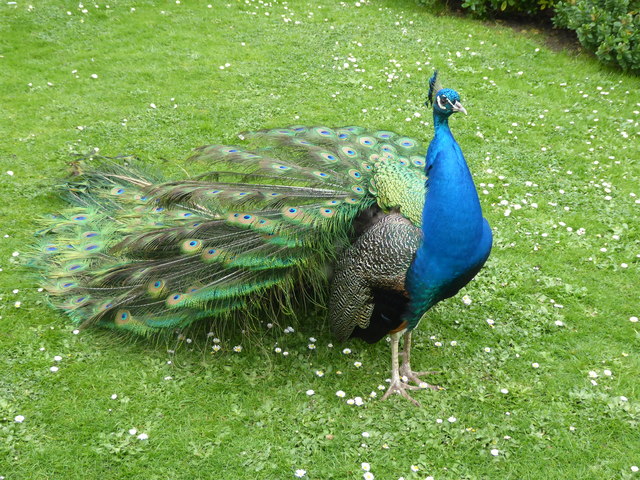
(405, 369)
(397, 385)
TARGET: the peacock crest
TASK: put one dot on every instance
(434, 88)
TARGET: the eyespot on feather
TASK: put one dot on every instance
(386, 148)
(175, 299)
(355, 174)
(367, 141)
(325, 132)
(328, 157)
(406, 142)
(384, 135)
(75, 267)
(321, 175)
(50, 248)
(211, 254)
(230, 150)
(417, 161)
(296, 214)
(263, 223)
(77, 302)
(156, 286)
(122, 317)
(105, 306)
(327, 212)
(265, 226)
(191, 246)
(349, 152)
(117, 191)
(279, 167)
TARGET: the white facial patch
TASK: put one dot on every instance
(440, 103)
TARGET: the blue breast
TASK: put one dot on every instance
(457, 239)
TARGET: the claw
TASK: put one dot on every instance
(410, 375)
(401, 388)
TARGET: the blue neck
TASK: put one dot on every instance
(452, 224)
(440, 121)
(451, 208)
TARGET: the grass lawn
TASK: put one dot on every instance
(540, 362)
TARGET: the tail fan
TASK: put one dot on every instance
(136, 252)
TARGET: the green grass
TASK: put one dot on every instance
(556, 297)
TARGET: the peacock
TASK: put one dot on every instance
(400, 232)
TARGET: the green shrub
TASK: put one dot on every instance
(609, 28)
(506, 8)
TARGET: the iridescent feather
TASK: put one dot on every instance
(140, 253)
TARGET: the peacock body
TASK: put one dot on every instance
(137, 252)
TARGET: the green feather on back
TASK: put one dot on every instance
(140, 253)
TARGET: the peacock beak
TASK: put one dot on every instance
(457, 107)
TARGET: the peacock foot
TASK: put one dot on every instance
(411, 376)
(402, 375)
(399, 387)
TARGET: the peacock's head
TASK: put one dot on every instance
(445, 101)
